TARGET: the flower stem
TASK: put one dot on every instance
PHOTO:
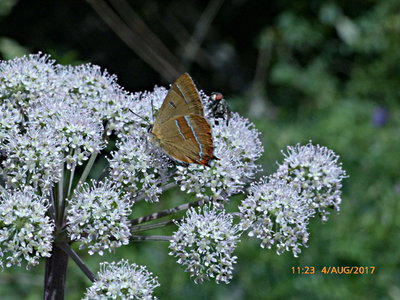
(150, 238)
(88, 168)
(75, 257)
(138, 228)
(71, 179)
(167, 212)
(55, 274)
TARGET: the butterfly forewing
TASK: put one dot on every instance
(182, 99)
(180, 127)
(188, 139)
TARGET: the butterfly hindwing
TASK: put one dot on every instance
(188, 139)
(180, 127)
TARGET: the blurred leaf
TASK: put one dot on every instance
(6, 6)
(10, 48)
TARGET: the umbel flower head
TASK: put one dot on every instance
(121, 280)
(204, 244)
(26, 233)
(315, 170)
(278, 208)
(33, 158)
(277, 214)
(98, 217)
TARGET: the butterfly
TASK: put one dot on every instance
(180, 127)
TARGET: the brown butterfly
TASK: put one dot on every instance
(180, 127)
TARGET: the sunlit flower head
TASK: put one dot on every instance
(26, 233)
(98, 217)
(32, 158)
(25, 80)
(79, 132)
(121, 280)
(277, 214)
(316, 171)
(99, 92)
(139, 167)
(204, 244)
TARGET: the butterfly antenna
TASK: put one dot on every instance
(137, 115)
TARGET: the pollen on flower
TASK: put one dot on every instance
(26, 233)
(204, 244)
(98, 217)
(121, 280)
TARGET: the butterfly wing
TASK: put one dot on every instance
(188, 139)
(182, 99)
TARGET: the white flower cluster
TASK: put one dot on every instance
(26, 233)
(24, 81)
(237, 146)
(135, 168)
(10, 117)
(65, 107)
(204, 244)
(318, 174)
(278, 208)
(98, 217)
(33, 158)
(76, 129)
(277, 214)
(97, 91)
(121, 280)
(139, 164)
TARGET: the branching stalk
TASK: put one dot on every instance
(145, 227)
(75, 257)
(88, 168)
(150, 238)
(167, 212)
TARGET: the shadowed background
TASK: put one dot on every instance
(300, 70)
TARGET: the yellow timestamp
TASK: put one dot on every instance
(346, 270)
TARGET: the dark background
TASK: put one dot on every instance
(300, 70)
